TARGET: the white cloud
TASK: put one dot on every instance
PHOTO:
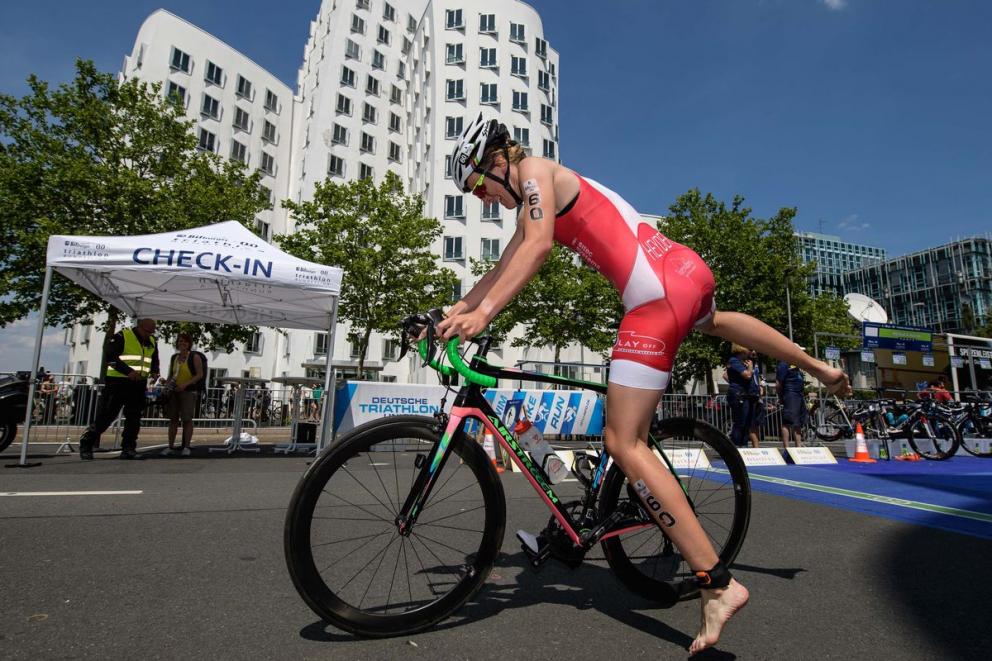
(17, 346)
(835, 5)
(853, 223)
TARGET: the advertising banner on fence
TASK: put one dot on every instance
(553, 412)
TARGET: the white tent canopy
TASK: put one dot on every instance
(216, 274)
(219, 273)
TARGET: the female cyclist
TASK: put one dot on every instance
(667, 290)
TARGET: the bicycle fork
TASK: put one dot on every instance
(430, 467)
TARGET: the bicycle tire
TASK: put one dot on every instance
(980, 429)
(834, 423)
(943, 438)
(336, 603)
(731, 480)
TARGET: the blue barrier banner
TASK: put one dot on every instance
(896, 338)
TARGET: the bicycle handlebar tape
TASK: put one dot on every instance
(443, 369)
(471, 376)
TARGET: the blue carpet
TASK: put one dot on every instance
(963, 483)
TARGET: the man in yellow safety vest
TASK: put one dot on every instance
(132, 358)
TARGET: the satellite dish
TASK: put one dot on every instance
(863, 308)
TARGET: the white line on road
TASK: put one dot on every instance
(70, 493)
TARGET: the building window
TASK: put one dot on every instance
(543, 80)
(520, 101)
(521, 136)
(453, 19)
(401, 70)
(244, 88)
(453, 127)
(487, 23)
(176, 92)
(368, 143)
(269, 196)
(254, 344)
(340, 135)
(547, 116)
(262, 229)
(453, 206)
(394, 152)
(320, 344)
(378, 61)
(390, 350)
(453, 249)
(347, 77)
(344, 105)
(490, 250)
(271, 101)
(352, 51)
(489, 94)
(372, 86)
(365, 171)
(456, 90)
(210, 107)
(407, 45)
(549, 149)
(369, 114)
(388, 12)
(487, 58)
(362, 4)
(214, 74)
(394, 122)
(517, 33)
(383, 35)
(269, 132)
(357, 24)
(335, 166)
(395, 95)
(456, 292)
(239, 152)
(207, 141)
(268, 164)
(180, 60)
(454, 54)
(541, 48)
(447, 167)
(518, 65)
(491, 211)
(411, 23)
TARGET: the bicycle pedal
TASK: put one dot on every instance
(536, 549)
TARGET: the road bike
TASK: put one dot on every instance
(972, 418)
(399, 523)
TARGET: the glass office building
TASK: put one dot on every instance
(833, 258)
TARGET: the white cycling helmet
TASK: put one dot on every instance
(470, 148)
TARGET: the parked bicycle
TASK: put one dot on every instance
(399, 523)
(972, 418)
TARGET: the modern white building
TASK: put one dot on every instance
(383, 86)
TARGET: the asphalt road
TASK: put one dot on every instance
(193, 567)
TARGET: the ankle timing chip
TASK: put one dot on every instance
(714, 579)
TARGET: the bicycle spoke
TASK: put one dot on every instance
(381, 483)
(382, 556)
(345, 500)
(427, 523)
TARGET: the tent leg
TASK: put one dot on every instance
(34, 373)
(330, 383)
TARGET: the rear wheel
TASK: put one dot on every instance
(829, 420)
(933, 438)
(976, 436)
(345, 554)
(716, 483)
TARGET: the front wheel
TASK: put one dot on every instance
(933, 438)
(976, 435)
(343, 548)
(715, 481)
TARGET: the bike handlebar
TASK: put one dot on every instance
(457, 364)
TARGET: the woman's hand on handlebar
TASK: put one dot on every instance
(465, 326)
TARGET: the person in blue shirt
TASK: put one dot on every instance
(791, 387)
(740, 377)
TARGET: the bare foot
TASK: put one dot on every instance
(717, 607)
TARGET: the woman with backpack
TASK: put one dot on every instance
(187, 373)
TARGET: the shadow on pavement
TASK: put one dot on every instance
(787, 573)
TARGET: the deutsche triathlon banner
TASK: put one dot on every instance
(554, 412)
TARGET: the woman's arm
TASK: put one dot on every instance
(471, 300)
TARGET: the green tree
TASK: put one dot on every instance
(753, 260)
(379, 236)
(565, 303)
(101, 157)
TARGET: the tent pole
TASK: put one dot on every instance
(39, 338)
(330, 382)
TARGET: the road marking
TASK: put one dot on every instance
(70, 493)
(887, 500)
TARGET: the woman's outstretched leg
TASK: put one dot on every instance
(629, 413)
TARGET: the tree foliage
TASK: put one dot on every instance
(753, 260)
(97, 156)
(381, 239)
(565, 303)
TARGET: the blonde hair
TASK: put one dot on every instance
(739, 348)
(513, 149)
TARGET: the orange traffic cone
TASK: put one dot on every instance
(861, 449)
(490, 447)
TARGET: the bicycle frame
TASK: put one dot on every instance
(471, 404)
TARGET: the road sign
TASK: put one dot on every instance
(832, 353)
(898, 359)
(868, 356)
(896, 338)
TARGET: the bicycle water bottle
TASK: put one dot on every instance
(533, 441)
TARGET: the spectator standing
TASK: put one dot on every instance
(757, 412)
(791, 387)
(132, 358)
(318, 394)
(739, 377)
(187, 374)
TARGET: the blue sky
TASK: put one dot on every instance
(871, 116)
